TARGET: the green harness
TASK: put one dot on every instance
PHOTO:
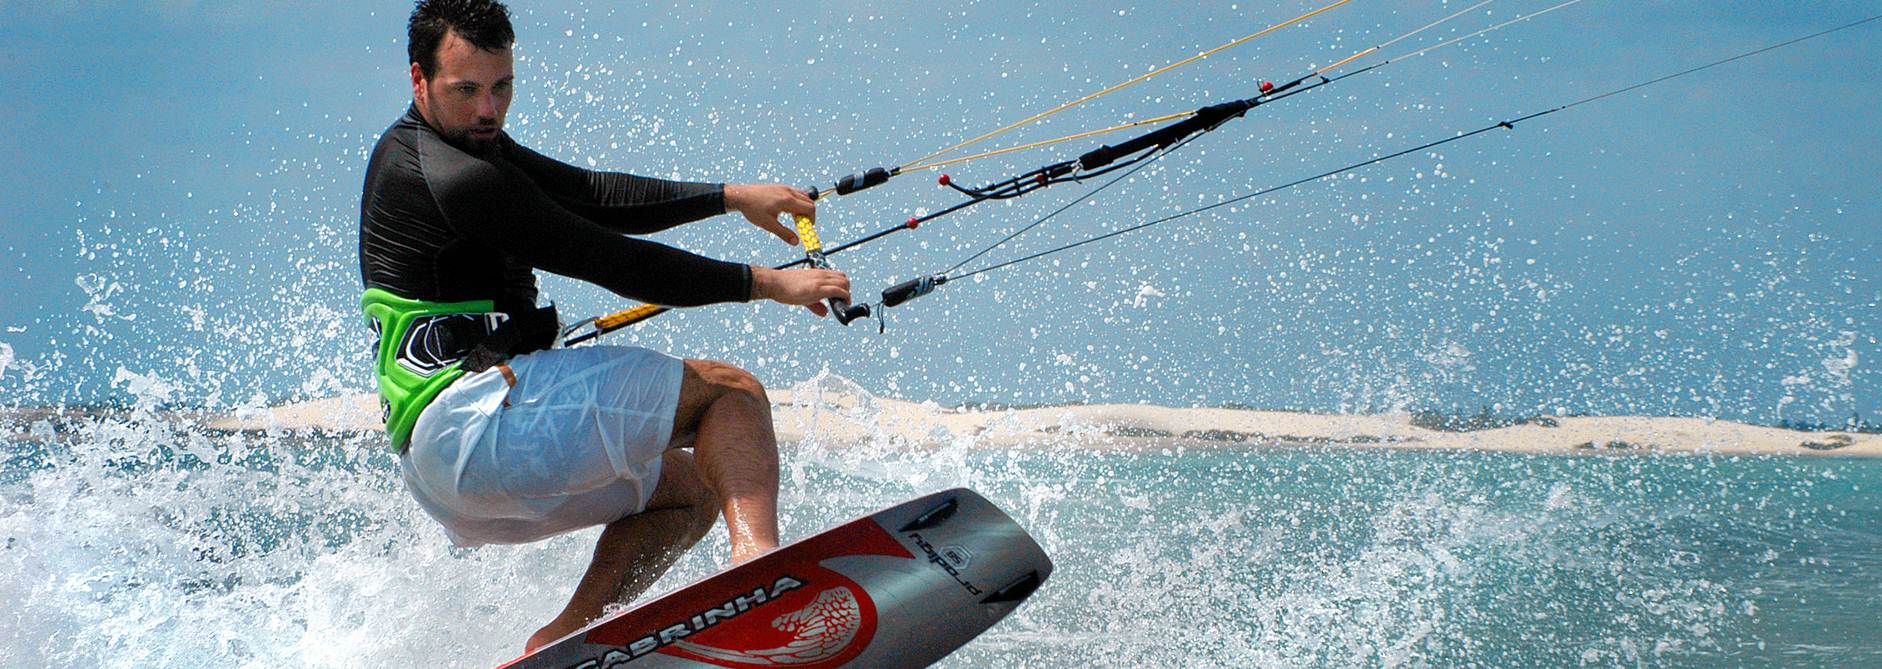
(406, 387)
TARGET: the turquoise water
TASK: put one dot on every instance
(134, 541)
(1341, 558)
(1680, 250)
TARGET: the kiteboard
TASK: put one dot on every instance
(902, 587)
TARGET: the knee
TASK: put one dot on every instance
(710, 386)
(743, 382)
(730, 380)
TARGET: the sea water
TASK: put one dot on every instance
(138, 539)
(1684, 252)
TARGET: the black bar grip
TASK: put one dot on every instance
(846, 312)
(855, 182)
(1204, 119)
(911, 289)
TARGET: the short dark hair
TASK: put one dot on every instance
(483, 23)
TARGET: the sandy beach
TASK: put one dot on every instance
(837, 417)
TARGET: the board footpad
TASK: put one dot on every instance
(1019, 589)
(933, 517)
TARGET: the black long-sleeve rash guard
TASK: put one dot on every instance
(441, 224)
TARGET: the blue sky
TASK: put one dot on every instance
(186, 181)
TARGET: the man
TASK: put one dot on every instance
(502, 441)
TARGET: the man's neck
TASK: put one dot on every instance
(418, 110)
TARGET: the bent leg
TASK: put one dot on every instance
(635, 551)
(724, 414)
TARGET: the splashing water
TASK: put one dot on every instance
(1534, 274)
(140, 538)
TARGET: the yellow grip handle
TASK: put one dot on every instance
(807, 232)
(633, 315)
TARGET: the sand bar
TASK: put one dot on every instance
(837, 417)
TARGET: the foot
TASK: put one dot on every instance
(749, 553)
(548, 634)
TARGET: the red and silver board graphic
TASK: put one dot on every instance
(817, 635)
(948, 566)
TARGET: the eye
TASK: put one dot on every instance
(503, 87)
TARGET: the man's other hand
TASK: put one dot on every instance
(806, 287)
(762, 204)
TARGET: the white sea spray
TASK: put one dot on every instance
(132, 539)
(99, 290)
(148, 390)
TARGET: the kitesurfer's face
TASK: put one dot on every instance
(467, 96)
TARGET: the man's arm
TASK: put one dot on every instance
(501, 208)
(620, 202)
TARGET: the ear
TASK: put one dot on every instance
(418, 85)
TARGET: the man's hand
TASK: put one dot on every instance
(762, 204)
(807, 287)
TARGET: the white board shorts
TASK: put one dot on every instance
(576, 443)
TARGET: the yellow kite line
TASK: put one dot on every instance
(1185, 114)
(1134, 80)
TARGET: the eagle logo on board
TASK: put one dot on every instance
(819, 632)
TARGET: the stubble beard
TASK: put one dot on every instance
(462, 137)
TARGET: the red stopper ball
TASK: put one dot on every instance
(913, 222)
(1267, 86)
(1041, 178)
(945, 180)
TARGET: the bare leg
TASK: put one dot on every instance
(635, 551)
(736, 450)
(725, 418)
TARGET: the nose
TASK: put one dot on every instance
(487, 106)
